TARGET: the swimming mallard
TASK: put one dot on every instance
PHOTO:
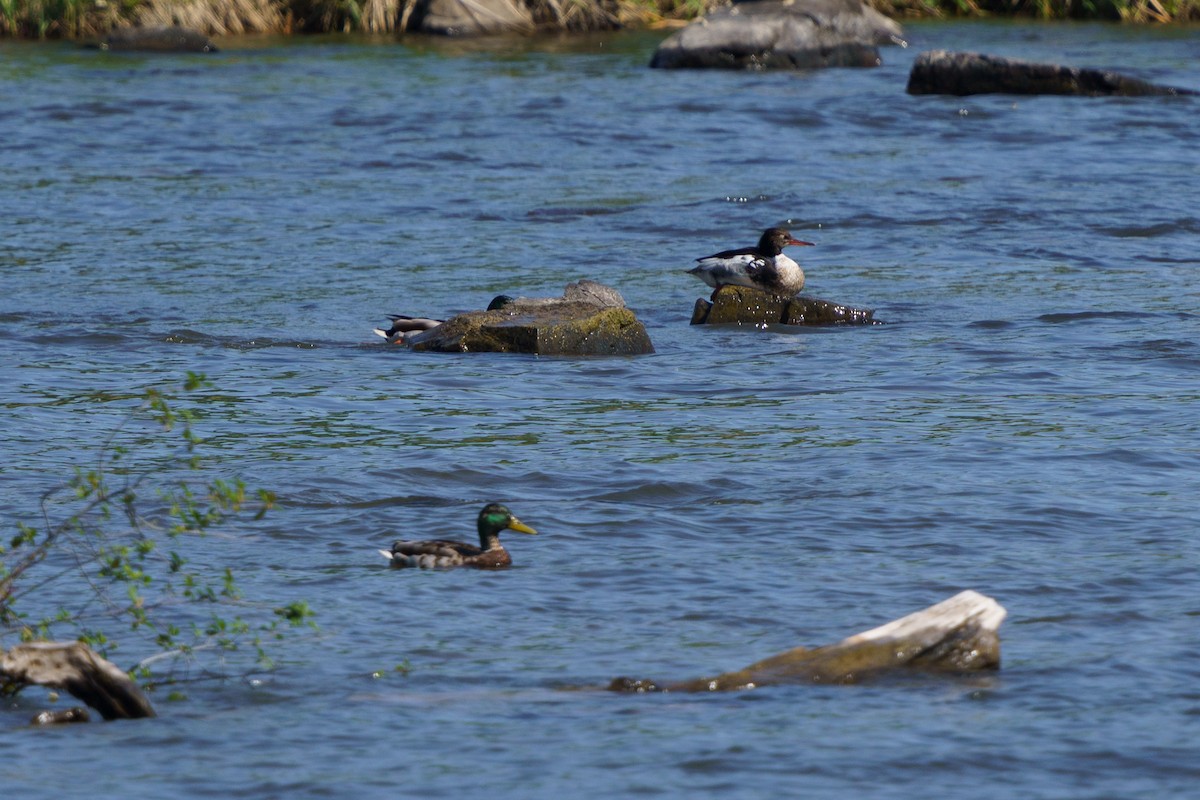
(437, 553)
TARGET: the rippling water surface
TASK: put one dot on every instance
(1026, 424)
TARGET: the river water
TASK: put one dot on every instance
(1026, 424)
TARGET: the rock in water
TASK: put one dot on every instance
(957, 635)
(61, 716)
(945, 72)
(781, 34)
(590, 319)
(470, 17)
(159, 39)
(742, 305)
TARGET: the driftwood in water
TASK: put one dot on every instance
(956, 635)
(73, 667)
(945, 72)
(742, 305)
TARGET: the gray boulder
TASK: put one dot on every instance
(158, 39)
(590, 319)
(470, 17)
(781, 34)
(742, 305)
(945, 72)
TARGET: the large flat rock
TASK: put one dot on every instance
(781, 34)
(590, 319)
(946, 72)
(742, 305)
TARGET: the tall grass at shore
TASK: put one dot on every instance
(83, 19)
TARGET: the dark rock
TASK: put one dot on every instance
(781, 34)
(75, 668)
(944, 72)
(741, 305)
(957, 635)
(470, 17)
(162, 39)
(590, 319)
(61, 716)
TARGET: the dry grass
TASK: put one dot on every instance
(92, 18)
(214, 17)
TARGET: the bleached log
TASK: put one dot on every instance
(75, 668)
(955, 635)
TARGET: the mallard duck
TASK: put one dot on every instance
(439, 553)
(763, 266)
(402, 324)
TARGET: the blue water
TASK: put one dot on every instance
(1026, 425)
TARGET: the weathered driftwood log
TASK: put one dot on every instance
(589, 319)
(159, 39)
(956, 635)
(781, 34)
(73, 667)
(742, 305)
(945, 72)
(470, 17)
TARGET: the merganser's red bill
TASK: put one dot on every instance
(797, 241)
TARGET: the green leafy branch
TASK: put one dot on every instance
(125, 575)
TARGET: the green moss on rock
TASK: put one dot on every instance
(554, 327)
(742, 305)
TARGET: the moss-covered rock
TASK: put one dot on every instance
(741, 305)
(589, 320)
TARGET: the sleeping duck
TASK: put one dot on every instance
(402, 324)
(440, 553)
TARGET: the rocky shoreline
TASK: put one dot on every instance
(93, 20)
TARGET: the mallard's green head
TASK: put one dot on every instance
(495, 518)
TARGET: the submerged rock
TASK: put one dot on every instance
(781, 34)
(590, 319)
(75, 668)
(956, 635)
(61, 716)
(158, 39)
(742, 305)
(470, 17)
(945, 72)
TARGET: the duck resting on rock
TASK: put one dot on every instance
(402, 324)
(763, 266)
(444, 553)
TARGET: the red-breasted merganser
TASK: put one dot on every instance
(441, 553)
(763, 266)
